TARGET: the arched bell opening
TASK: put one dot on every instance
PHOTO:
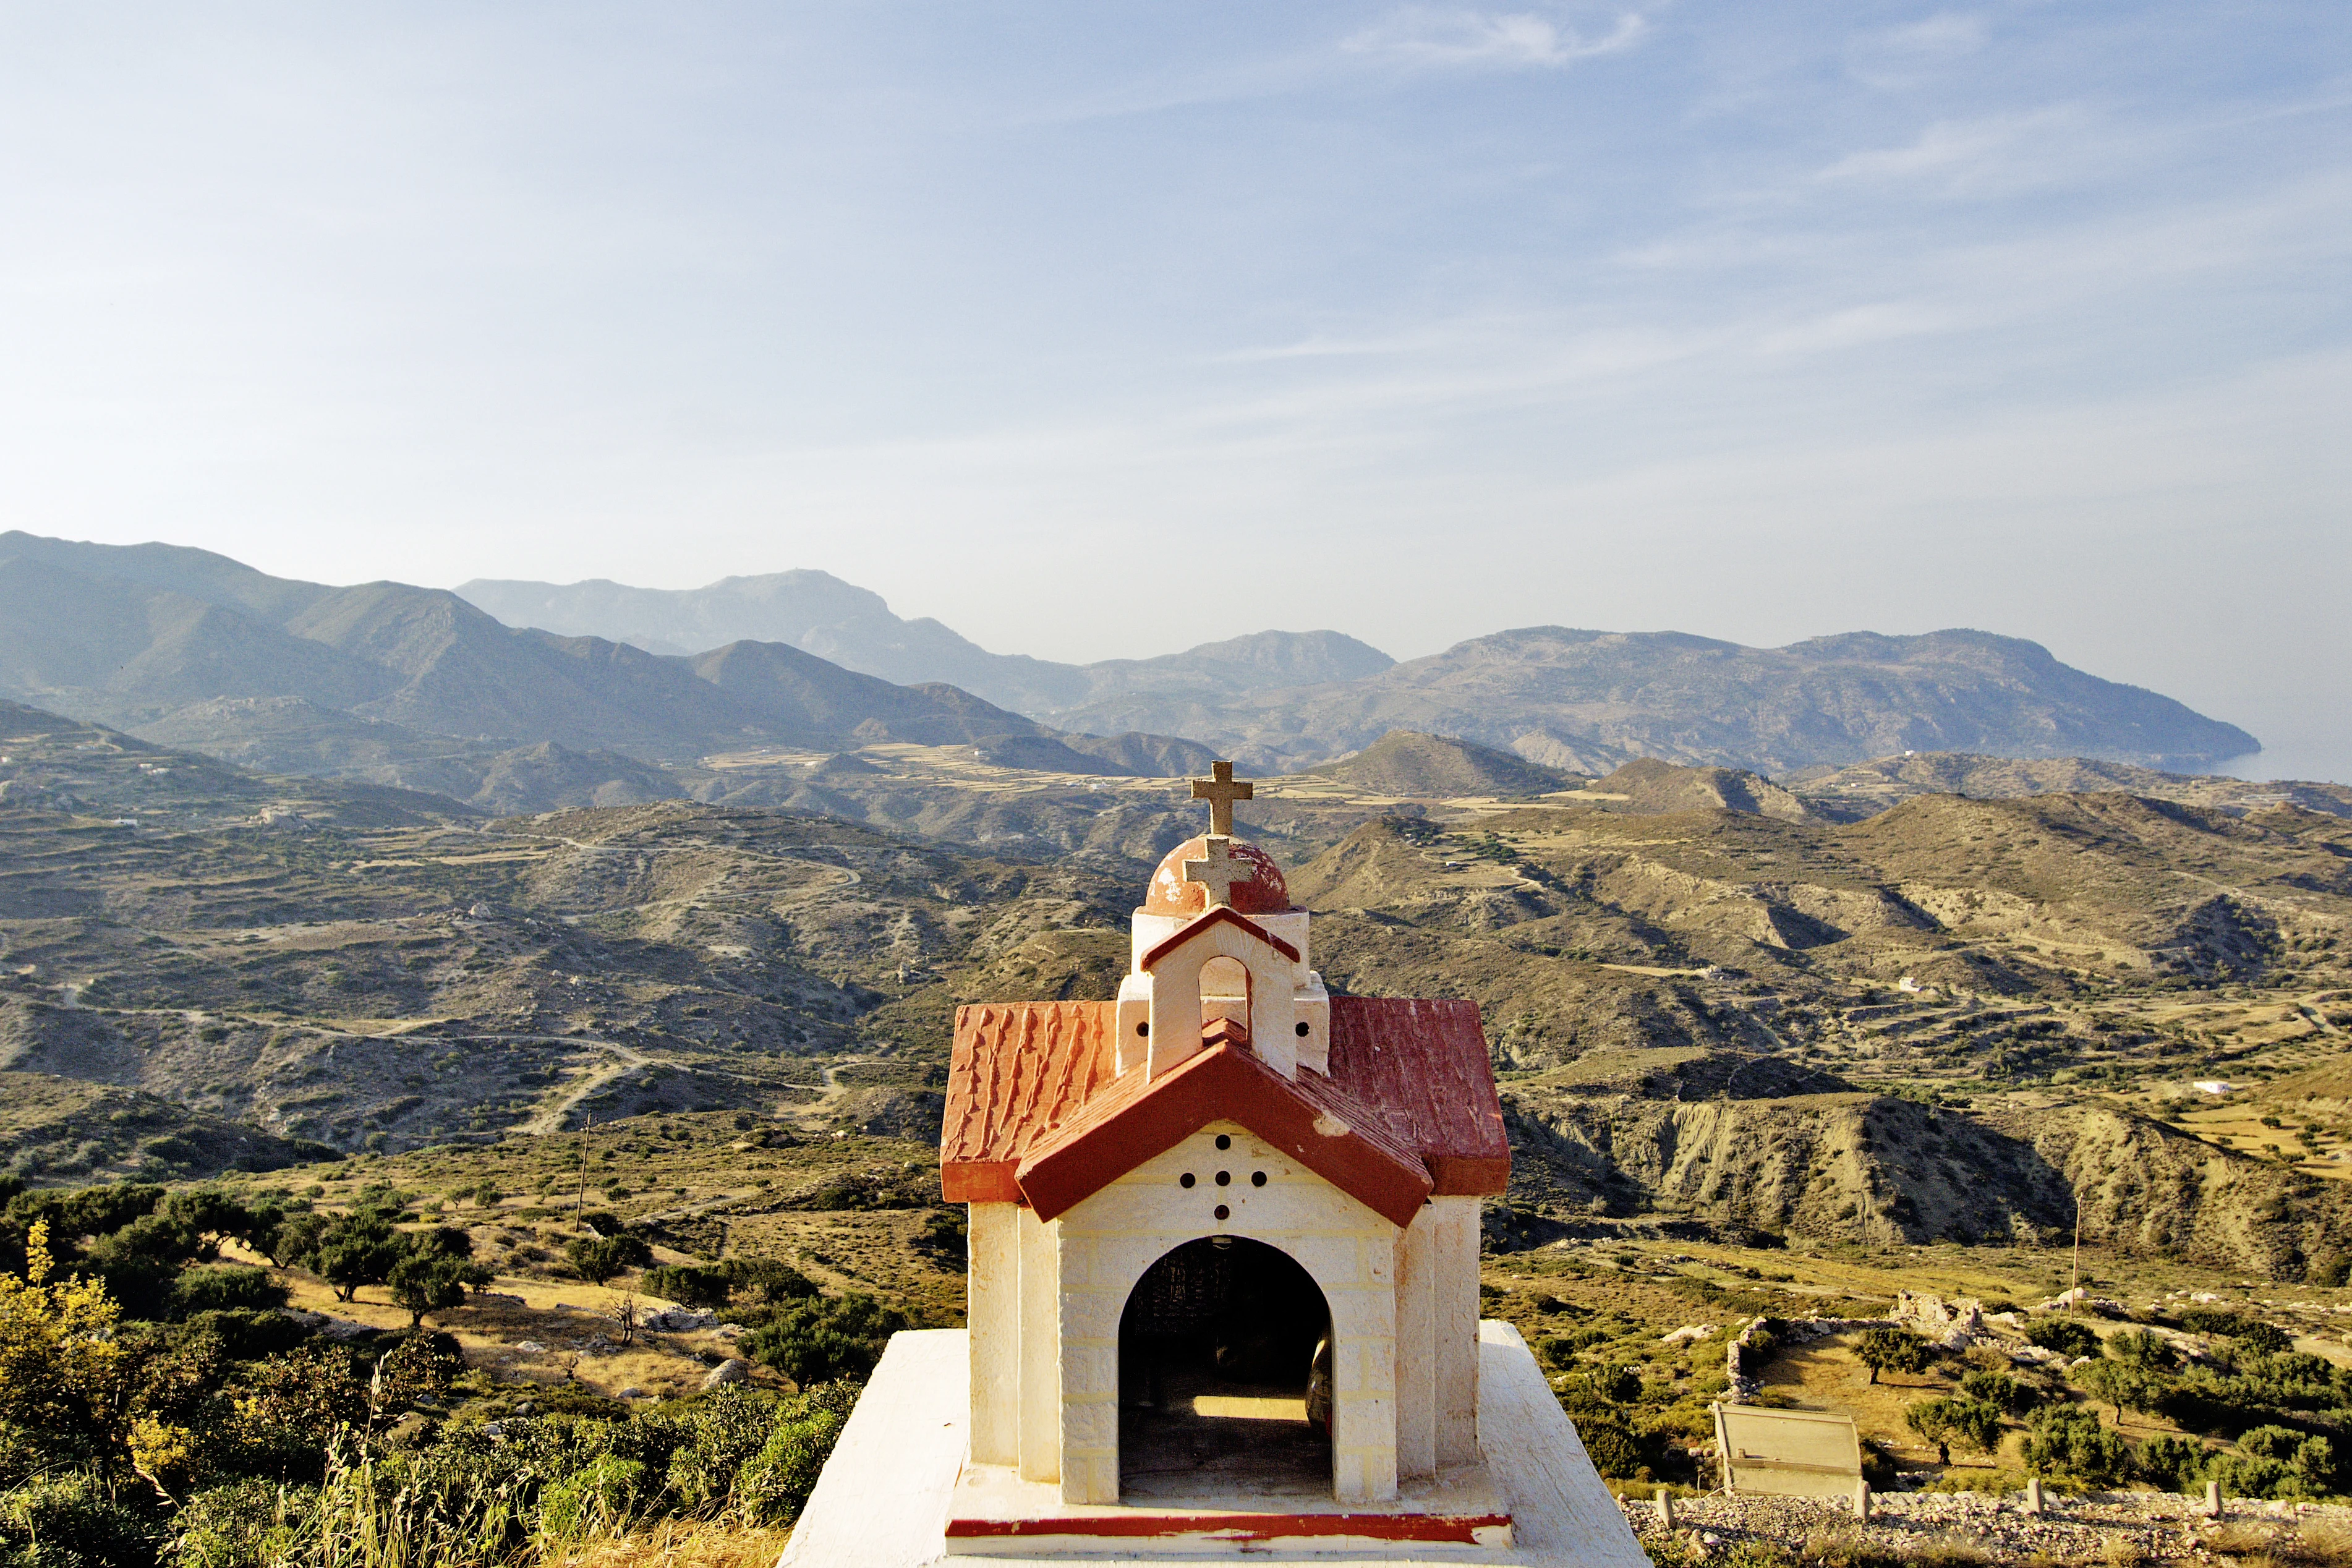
(1225, 1374)
(1226, 992)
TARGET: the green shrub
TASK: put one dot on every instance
(2252, 1334)
(2067, 1440)
(826, 1339)
(774, 1486)
(226, 1288)
(358, 1249)
(2140, 1350)
(2250, 1475)
(1891, 1350)
(2173, 1464)
(2064, 1335)
(423, 1283)
(599, 1257)
(247, 1524)
(1988, 1483)
(248, 1333)
(769, 1279)
(2277, 1462)
(1942, 1421)
(1997, 1388)
(1613, 1449)
(600, 1498)
(692, 1285)
(69, 1521)
(724, 1432)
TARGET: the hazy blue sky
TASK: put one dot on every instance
(1103, 330)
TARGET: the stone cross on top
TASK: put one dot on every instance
(1221, 791)
(1220, 871)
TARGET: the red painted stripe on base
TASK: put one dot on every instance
(1459, 1528)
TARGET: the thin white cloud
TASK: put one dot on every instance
(1854, 327)
(1465, 39)
(1896, 57)
(1945, 33)
(1998, 155)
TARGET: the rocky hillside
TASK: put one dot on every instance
(1432, 767)
(1649, 786)
(1753, 1161)
(58, 1128)
(1959, 1018)
(1863, 789)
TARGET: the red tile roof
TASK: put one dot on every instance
(1023, 1069)
(1309, 1118)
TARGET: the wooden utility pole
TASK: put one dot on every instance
(581, 1208)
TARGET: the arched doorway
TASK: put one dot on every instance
(1225, 1374)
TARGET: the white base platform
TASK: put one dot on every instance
(883, 1501)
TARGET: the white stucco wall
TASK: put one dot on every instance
(1045, 1302)
(1283, 996)
(1107, 1241)
(1040, 1390)
(1453, 1323)
(993, 1313)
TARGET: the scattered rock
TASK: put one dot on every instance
(678, 1320)
(2115, 1526)
(729, 1371)
(531, 1347)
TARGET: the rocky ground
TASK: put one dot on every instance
(2111, 1527)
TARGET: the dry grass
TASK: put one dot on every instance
(680, 1544)
(1949, 1551)
(2316, 1544)
(2123, 1552)
(488, 1333)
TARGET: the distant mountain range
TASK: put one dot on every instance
(1582, 700)
(417, 687)
(424, 689)
(820, 613)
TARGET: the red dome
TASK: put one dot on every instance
(1170, 894)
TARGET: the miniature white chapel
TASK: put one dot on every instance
(1223, 1238)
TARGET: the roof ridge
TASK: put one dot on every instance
(1329, 1130)
(1224, 915)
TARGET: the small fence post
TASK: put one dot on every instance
(1665, 1508)
(1860, 1500)
(2033, 1494)
(2212, 1499)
